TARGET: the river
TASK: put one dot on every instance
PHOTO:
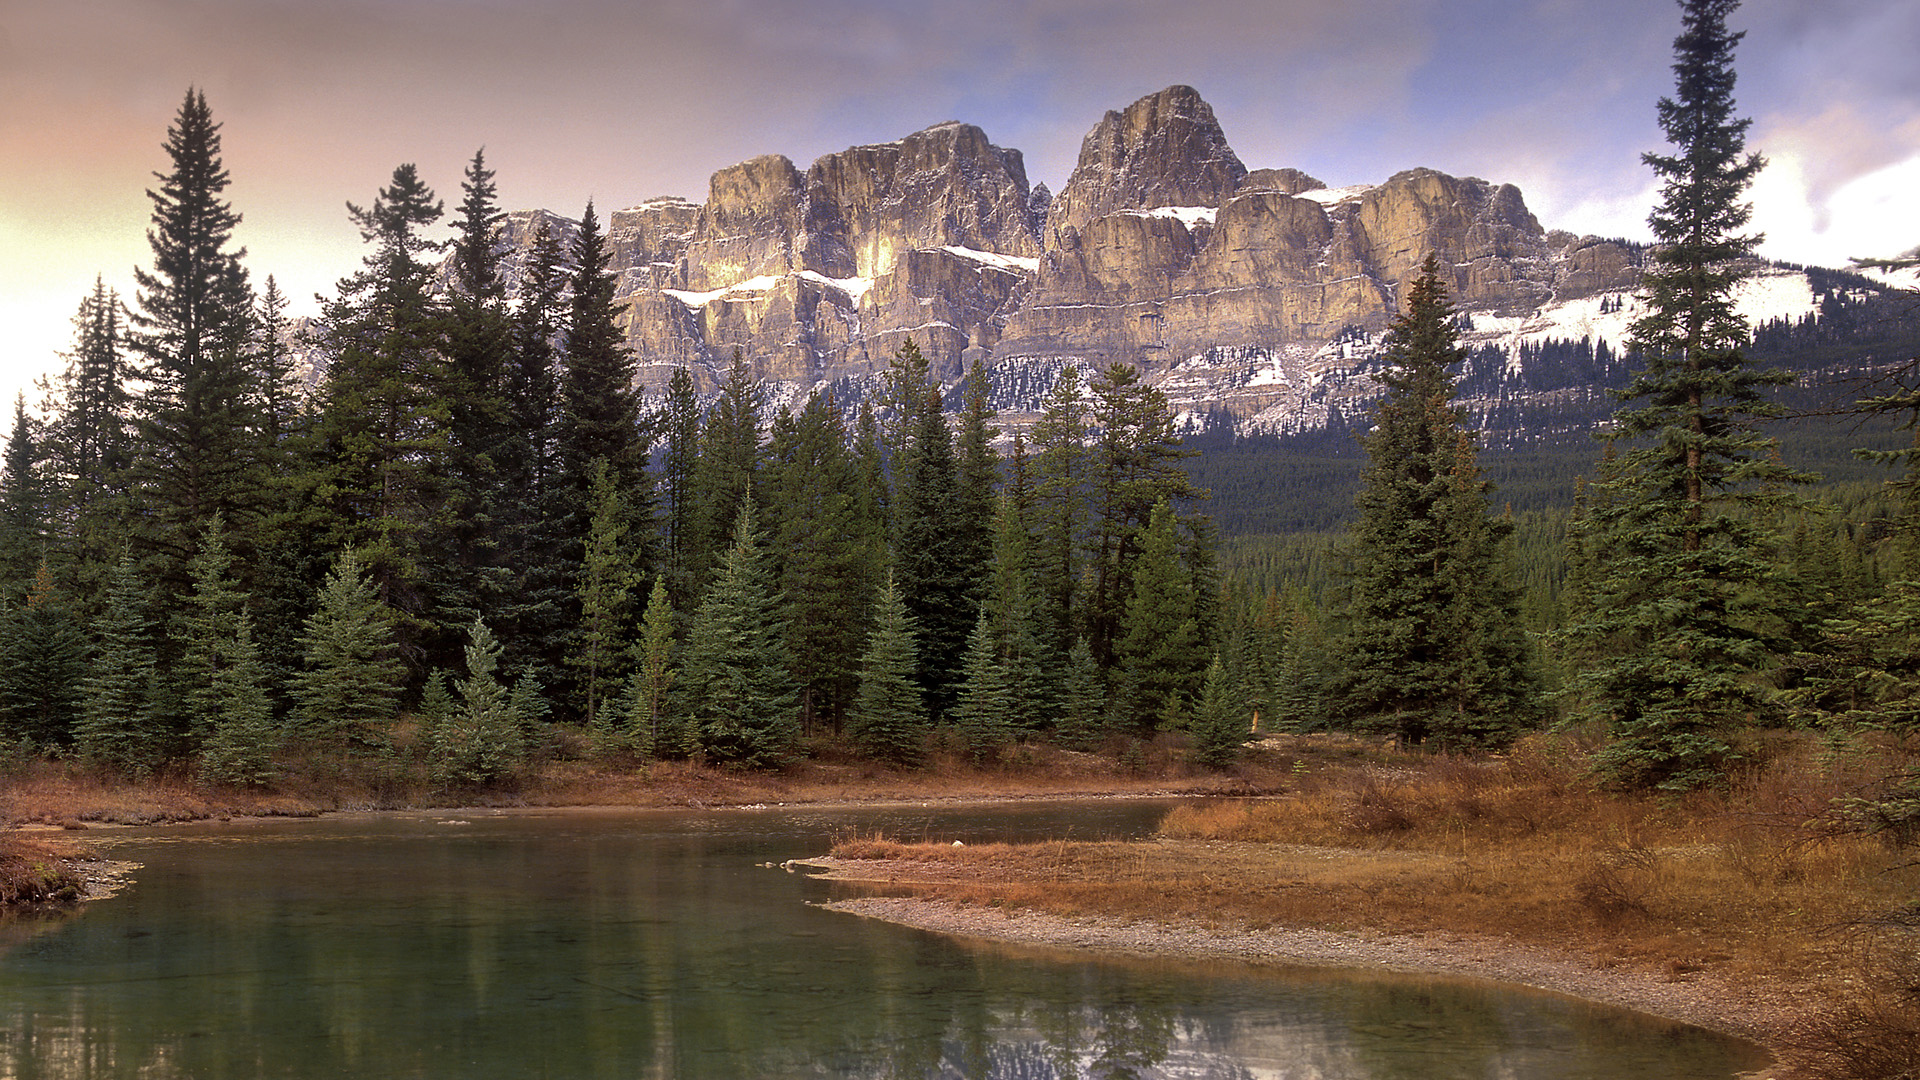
(591, 944)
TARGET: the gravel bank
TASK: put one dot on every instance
(1748, 1012)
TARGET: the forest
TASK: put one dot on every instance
(471, 533)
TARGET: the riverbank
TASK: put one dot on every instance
(1765, 1016)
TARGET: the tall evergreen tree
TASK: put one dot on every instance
(200, 434)
(382, 431)
(1135, 464)
(352, 679)
(1684, 592)
(723, 476)
(1159, 650)
(930, 548)
(735, 689)
(25, 505)
(470, 576)
(43, 660)
(650, 728)
(118, 726)
(531, 619)
(1059, 502)
(983, 707)
(1435, 649)
(606, 579)
(889, 716)
(827, 554)
(1219, 720)
(679, 426)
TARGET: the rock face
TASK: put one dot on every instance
(1234, 290)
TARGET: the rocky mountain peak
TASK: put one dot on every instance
(1165, 149)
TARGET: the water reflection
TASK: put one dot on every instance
(652, 946)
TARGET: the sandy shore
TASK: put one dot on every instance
(1748, 1012)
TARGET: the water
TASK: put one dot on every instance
(636, 944)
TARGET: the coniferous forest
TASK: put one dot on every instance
(471, 536)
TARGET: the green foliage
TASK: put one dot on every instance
(650, 723)
(1220, 721)
(606, 580)
(118, 727)
(734, 690)
(932, 545)
(476, 739)
(222, 680)
(1435, 650)
(1083, 704)
(1686, 600)
(352, 679)
(43, 658)
(1160, 651)
(889, 717)
(983, 714)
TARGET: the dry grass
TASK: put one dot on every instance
(35, 873)
(1761, 886)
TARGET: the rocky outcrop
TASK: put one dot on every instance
(1164, 150)
(1236, 289)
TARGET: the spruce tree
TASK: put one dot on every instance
(1219, 725)
(352, 680)
(723, 473)
(983, 709)
(1434, 649)
(606, 580)
(381, 433)
(476, 738)
(735, 690)
(43, 659)
(649, 726)
(199, 450)
(118, 727)
(208, 629)
(931, 552)
(827, 552)
(1685, 596)
(1159, 650)
(240, 744)
(888, 720)
(679, 426)
(25, 504)
(1059, 502)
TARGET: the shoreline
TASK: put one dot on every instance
(1751, 1013)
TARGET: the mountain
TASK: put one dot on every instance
(1250, 297)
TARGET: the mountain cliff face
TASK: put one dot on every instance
(1252, 294)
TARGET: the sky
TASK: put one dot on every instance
(618, 101)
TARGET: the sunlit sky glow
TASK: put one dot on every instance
(619, 101)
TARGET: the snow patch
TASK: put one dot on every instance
(995, 259)
(1333, 196)
(854, 287)
(1185, 215)
(740, 291)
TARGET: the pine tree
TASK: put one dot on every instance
(43, 659)
(239, 748)
(1083, 701)
(208, 629)
(888, 720)
(1059, 499)
(1684, 590)
(118, 728)
(352, 679)
(1220, 725)
(827, 553)
(649, 726)
(1434, 649)
(606, 582)
(468, 574)
(735, 691)
(679, 426)
(382, 430)
(25, 505)
(930, 553)
(1135, 464)
(723, 473)
(1159, 649)
(199, 450)
(476, 739)
(983, 708)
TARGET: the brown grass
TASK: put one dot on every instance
(1761, 885)
(35, 873)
